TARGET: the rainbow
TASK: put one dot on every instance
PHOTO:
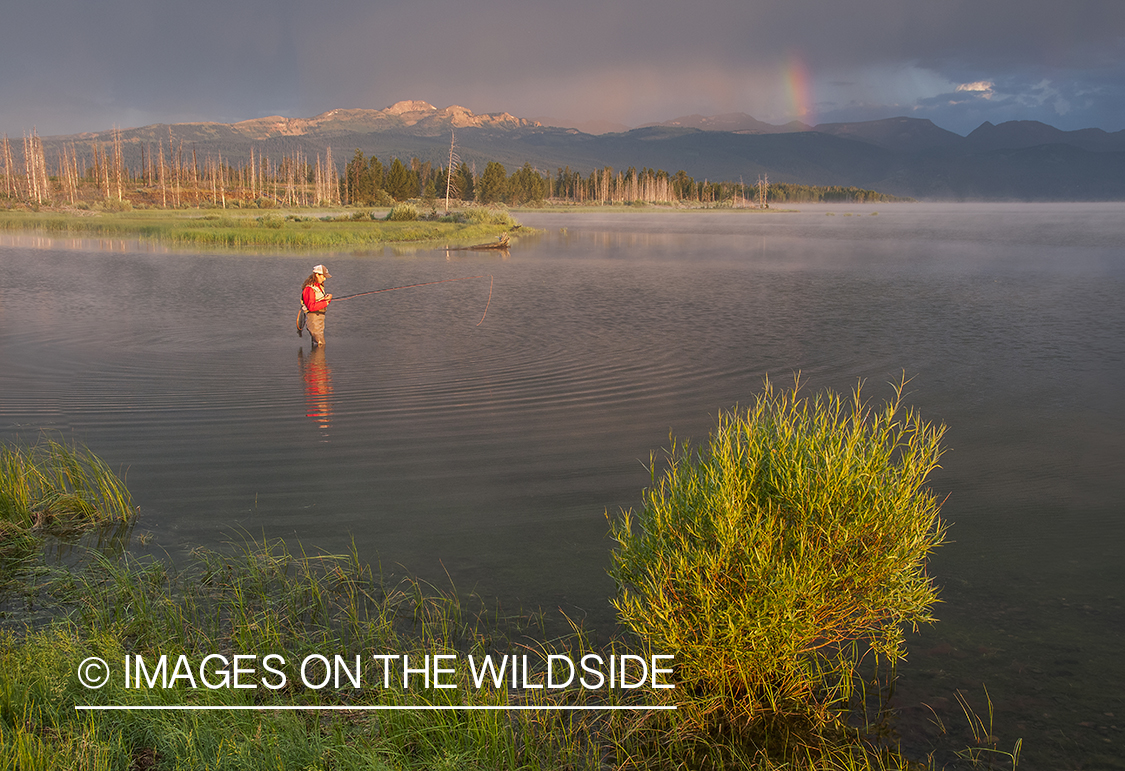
(798, 87)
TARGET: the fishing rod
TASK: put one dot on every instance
(427, 283)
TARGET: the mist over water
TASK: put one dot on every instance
(490, 454)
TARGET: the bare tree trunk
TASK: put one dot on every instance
(41, 166)
(302, 172)
(196, 180)
(27, 168)
(118, 162)
(105, 174)
(6, 148)
(318, 184)
(163, 179)
(76, 176)
(453, 158)
(35, 168)
(178, 170)
(68, 184)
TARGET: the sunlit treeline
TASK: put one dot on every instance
(172, 175)
(605, 186)
(370, 181)
(167, 176)
(785, 192)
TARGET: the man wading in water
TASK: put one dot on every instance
(315, 301)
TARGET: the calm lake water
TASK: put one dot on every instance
(489, 455)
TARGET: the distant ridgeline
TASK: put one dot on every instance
(183, 178)
(413, 149)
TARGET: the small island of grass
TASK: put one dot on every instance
(273, 229)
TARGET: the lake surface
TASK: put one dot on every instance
(490, 455)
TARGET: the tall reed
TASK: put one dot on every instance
(51, 485)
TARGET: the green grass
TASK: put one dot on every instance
(51, 485)
(238, 229)
(263, 598)
(258, 598)
(52, 488)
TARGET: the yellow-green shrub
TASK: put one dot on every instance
(772, 559)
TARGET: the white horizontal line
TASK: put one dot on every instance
(452, 707)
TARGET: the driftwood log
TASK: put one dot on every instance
(501, 242)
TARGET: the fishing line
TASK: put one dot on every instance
(428, 283)
(408, 286)
(490, 280)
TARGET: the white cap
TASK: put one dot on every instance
(322, 271)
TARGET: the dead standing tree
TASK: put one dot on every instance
(35, 167)
(68, 173)
(163, 176)
(450, 185)
(118, 165)
(9, 184)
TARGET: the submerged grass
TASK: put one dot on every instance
(271, 230)
(52, 485)
(52, 488)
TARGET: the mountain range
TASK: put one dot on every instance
(1017, 160)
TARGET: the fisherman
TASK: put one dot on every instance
(314, 301)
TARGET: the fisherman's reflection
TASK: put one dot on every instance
(318, 386)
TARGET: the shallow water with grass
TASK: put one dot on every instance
(488, 456)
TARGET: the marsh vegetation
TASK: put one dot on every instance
(778, 564)
(301, 229)
(53, 489)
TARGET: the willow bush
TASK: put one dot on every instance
(403, 212)
(777, 557)
(488, 215)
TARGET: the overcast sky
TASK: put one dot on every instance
(86, 65)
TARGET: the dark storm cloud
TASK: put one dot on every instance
(70, 65)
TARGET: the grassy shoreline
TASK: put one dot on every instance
(256, 599)
(259, 598)
(282, 230)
